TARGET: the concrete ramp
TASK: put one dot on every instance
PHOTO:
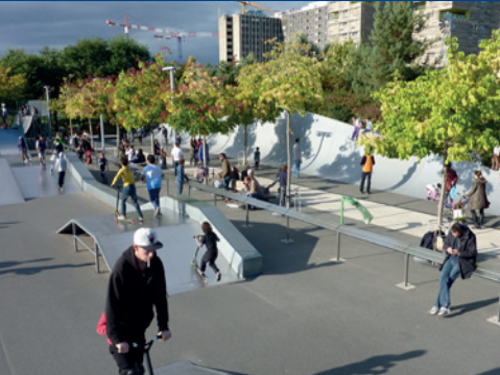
(8, 142)
(11, 194)
(176, 234)
(187, 368)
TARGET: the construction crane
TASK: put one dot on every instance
(179, 35)
(252, 4)
(179, 42)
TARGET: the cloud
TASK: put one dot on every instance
(32, 25)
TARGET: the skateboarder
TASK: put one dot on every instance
(210, 240)
(41, 146)
(128, 189)
(60, 167)
(135, 285)
(103, 164)
(153, 176)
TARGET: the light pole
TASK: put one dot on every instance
(48, 110)
(170, 69)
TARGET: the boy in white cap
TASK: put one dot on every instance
(135, 285)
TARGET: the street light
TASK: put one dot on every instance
(170, 69)
(48, 110)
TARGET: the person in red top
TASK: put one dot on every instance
(451, 179)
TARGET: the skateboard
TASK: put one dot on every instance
(194, 264)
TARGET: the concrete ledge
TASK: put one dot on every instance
(243, 258)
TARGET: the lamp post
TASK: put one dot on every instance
(48, 110)
(68, 85)
(170, 69)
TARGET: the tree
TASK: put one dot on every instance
(12, 86)
(392, 46)
(448, 112)
(140, 95)
(200, 104)
(289, 81)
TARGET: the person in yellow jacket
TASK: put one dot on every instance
(367, 161)
(128, 188)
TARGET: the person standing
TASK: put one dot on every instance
(60, 167)
(21, 145)
(5, 114)
(180, 176)
(357, 126)
(41, 146)
(367, 161)
(451, 180)
(176, 155)
(282, 179)
(226, 169)
(495, 164)
(478, 199)
(129, 189)
(193, 150)
(203, 154)
(461, 253)
(136, 285)
(256, 158)
(297, 158)
(153, 175)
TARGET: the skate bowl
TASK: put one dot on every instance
(180, 222)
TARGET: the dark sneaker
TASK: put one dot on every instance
(219, 276)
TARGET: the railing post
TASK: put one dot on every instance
(189, 190)
(338, 246)
(498, 313)
(407, 268)
(166, 183)
(215, 199)
(287, 239)
(96, 250)
(74, 236)
(247, 217)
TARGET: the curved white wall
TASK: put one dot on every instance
(328, 153)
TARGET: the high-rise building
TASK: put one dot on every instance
(311, 20)
(350, 20)
(469, 21)
(242, 34)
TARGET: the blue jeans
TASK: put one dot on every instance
(180, 185)
(154, 197)
(449, 273)
(129, 191)
(296, 169)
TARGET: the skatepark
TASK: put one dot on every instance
(301, 313)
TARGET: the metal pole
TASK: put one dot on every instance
(91, 133)
(288, 161)
(407, 267)
(338, 247)
(48, 112)
(117, 138)
(248, 215)
(342, 211)
(166, 183)
(103, 146)
(287, 229)
(96, 250)
(189, 190)
(498, 313)
(74, 236)
(215, 199)
(152, 143)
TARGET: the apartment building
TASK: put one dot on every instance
(350, 20)
(469, 21)
(242, 34)
(311, 20)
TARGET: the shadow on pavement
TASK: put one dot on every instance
(14, 263)
(491, 372)
(379, 364)
(28, 271)
(468, 307)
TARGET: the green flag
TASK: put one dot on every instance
(367, 216)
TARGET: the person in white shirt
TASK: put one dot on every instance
(60, 167)
(176, 155)
(153, 175)
(494, 160)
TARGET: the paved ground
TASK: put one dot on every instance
(304, 315)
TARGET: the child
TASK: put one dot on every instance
(128, 189)
(256, 157)
(80, 152)
(433, 189)
(180, 176)
(201, 174)
(210, 240)
(60, 167)
(103, 163)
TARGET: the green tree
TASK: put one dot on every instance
(448, 112)
(393, 50)
(289, 81)
(12, 86)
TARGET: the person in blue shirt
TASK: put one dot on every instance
(153, 175)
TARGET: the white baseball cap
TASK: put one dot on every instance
(147, 239)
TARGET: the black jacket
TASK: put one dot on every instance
(466, 245)
(131, 296)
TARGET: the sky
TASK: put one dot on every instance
(32, 25)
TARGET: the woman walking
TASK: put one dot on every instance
(478, 200)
